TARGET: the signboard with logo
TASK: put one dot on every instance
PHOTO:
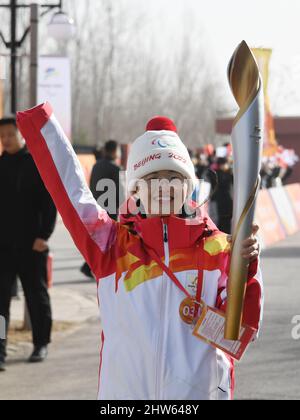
(54, 86)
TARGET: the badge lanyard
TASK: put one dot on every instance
(195, 300)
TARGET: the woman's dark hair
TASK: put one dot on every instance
(10, 120)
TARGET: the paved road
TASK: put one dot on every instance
(270, 370)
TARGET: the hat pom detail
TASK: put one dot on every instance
(160, 123)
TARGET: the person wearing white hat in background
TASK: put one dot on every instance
(146, 263)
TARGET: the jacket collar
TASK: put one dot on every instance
(182, 233)
(20, 153)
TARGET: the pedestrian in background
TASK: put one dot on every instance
(27, 220)
(107, 168)
(223, 196)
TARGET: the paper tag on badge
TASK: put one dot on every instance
(211, 327)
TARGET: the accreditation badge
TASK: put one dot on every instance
(190, 310)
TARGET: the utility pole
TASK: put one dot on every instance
(34, 48)
(13, 55)
(34, 23)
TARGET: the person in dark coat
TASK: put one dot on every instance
(223, 195)
(27, 220)
(107, 169)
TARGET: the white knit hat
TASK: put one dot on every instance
(159, 149)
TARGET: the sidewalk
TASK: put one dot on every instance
(73, 304)
(70, 372)
(71, 308)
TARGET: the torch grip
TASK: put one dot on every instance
(236, 295)
(239, 266)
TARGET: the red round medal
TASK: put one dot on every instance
(187, 310)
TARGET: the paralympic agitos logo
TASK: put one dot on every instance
(164, 143)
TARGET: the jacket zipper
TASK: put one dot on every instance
(162, 308)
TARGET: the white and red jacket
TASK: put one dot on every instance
(147, 351)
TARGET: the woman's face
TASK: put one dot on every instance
(162, 193)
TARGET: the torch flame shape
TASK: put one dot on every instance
(247, 141)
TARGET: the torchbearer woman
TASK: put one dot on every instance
(147, 264)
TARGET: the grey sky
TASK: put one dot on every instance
(221, 25)
(262, 23)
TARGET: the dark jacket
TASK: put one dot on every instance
(223, 194)
(27, 211)
(107, 169)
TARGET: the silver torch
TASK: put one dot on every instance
(247, 142)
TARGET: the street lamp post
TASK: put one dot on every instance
(13, 48)
(34, 54)
(14, 44)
